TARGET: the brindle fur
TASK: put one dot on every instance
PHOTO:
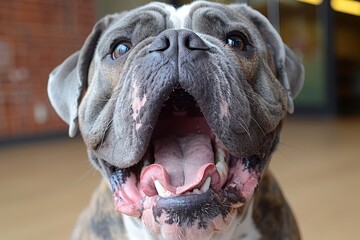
(254, 90)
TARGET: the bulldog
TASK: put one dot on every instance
(180, 111)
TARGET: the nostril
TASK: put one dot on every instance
(176, 40)
(187, 42)
(193, 42)
(160, 44)
(165, 44)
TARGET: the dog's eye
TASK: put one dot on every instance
(120, 49)
(236, 40)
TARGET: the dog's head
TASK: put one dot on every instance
(180, 109)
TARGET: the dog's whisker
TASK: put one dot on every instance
(117, 141)
(257, 124)
(89, 170)
(242, 124)
(102, 140)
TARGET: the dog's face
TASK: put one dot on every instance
(180, 110)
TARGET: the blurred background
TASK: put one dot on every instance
(46, 179)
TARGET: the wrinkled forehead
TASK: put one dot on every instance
(189, 15)
(178, 17)
(164, 16)
(211, 19)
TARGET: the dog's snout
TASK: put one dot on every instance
(178, 40)
(191, 40)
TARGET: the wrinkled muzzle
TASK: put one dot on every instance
(182, 139)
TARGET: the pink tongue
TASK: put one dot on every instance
(183, 157)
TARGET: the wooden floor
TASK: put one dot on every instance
(44, 186)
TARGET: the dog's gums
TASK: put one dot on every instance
(185, 167)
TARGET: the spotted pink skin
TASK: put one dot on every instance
(137, 104)
(174, 232)
(140, 199)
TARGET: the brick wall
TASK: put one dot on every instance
(35, 36)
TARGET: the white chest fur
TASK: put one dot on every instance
(242, 228)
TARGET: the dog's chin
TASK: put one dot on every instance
(187, 183)
(194, 229)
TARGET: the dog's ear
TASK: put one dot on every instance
(68, 81)
(289, 68)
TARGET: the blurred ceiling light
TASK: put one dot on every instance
(346, 6)
(314, 2)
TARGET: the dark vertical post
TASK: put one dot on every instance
(273, 13)
(327, 20)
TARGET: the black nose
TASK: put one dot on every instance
(178, 40)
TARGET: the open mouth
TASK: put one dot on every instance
(185, 168)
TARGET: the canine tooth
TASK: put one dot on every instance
(220, 155)
(223, 169)
(206, 185)
(162, 191)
